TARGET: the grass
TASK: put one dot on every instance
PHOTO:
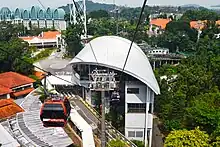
(43, 55)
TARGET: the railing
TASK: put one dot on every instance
(111, 131)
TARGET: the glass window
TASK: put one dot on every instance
(139, 133)
(131, 133)
(136, 108)
(133, 90)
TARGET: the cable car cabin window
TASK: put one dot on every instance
(53, 111)
(133, 90)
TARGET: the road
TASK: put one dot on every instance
(84, 112)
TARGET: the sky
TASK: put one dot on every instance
(131, 3)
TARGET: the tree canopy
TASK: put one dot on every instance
(16, 48)
(73, 39)
(185, 138)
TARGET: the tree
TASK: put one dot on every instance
(42, 94)
(99, 14)
(187, 138)
(73, 39)
(117, 143)
(14, 48)
(205, 14)
(138, 143)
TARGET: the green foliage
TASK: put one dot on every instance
(99, 14)
(42, 94)
(216, 143)
(184, 138)
(43, 54)
(73, 39)
(200, 15)
(117, 143)
(138, 143)
(16, 48)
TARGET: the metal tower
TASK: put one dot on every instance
(78, 13)
(104, 81)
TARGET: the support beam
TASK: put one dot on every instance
(103, 142)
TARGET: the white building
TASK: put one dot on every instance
(158, 51)
(46, 39)
(138, 88)
(35, 17)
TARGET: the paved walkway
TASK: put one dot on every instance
(31, 127)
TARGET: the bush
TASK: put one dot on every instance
(138, 143)
(185, 138)
(117, 143)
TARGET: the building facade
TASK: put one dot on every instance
(35, 17)
(46, 40)
(137, 87)
(14, 85)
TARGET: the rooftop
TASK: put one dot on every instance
(111, 52)
(8, 108)
(4, 90)
(43, 35)
(13, 79)
(160, 22)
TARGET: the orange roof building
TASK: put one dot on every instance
(39, 75)
(162, 23)
(198, 25)
(15, 85)
(218, 22)
(8, 108)
(45, 39)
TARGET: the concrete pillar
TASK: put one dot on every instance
(146, 118)
(150, 136)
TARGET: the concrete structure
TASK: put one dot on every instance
(14, 85)
(46, 39)
(6, 140)
(35, 17)
(138, 88)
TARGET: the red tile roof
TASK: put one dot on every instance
(23, 92)
(4, 90)
(160, 22)
(43, 35)
(39, 75)
(12, 79)
(50, 35)
(9, 108)
(199, 25)
(218, 22)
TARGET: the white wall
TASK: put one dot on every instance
(135, 98)
(137, 121)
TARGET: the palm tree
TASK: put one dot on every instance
(42, 93)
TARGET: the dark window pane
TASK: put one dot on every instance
(136, 108)
(133, 90)
(139, 133)
(131, 133)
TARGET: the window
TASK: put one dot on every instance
(139, 133)
(131, 133)
(133, 90)
(136, 108)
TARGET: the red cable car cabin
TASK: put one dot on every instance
(54, 113)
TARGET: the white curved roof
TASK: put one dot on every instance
(111, 51)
